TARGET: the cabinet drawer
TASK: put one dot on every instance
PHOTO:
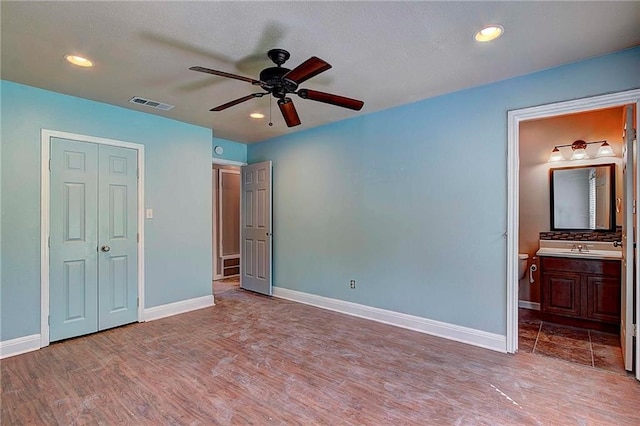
(587, 266)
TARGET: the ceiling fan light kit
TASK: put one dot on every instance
(279, 82)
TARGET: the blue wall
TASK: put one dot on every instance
(412, 202)
(177, 187)
(232, 150)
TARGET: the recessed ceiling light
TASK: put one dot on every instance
(490, 32)
(256, 115)
(79, 61)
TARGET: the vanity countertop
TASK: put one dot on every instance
(579, 249)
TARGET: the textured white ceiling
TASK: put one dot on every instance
(384, 53)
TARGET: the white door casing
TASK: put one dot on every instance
(256, 228)
(46, 136)
(514, 118)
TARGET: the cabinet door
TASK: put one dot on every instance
(603, 298)
(561, 293)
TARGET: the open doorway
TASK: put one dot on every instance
(225, 236)
(523, 293)
(242, 231)
(584, 199)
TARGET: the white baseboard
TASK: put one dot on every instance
(175, 308)
(19, 346)
(30, 343)
(483, 339)
(528, 305)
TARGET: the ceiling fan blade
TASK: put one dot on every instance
(226, 74)
(309, 68)
(237, 101)
(328, 98)
(289, 112)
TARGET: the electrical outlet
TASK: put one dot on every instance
(352, 284)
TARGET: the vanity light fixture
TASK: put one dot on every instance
(579, 149)
(79, 61)
(489, 33)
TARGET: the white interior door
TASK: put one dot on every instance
(256, 228)
(628, 238)
(93, 238)
(633, 305)
(73, 239)
(117, 236)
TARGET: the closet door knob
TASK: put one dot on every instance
(105, 248)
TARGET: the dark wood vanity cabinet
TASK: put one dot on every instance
(581, 292)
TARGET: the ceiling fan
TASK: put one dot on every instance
(280, 81)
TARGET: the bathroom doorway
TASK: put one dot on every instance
(515, 161)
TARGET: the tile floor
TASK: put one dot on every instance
(579, 345)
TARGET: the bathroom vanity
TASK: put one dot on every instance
(580, 285)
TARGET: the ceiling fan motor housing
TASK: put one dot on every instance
(274, 83)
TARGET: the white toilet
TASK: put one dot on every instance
(522, 264)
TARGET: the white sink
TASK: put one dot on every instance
(581, 249)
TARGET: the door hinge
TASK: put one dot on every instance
(634, 207)
(138, 173)
(633, 134)
(49, 320)
(49, 241)
(138, 237)
(635, 330)
(138, 302)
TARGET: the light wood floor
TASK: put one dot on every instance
(257, 360)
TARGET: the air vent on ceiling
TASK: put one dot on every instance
(148, 102)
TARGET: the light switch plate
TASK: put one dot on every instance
(149, 213)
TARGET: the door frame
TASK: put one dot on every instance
(214, 217)
(45, 188)
(514, 117)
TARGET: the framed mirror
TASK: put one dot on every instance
(583, 198)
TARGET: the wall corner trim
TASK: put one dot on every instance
(176, 308)
(19, 345)
(454, 332)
